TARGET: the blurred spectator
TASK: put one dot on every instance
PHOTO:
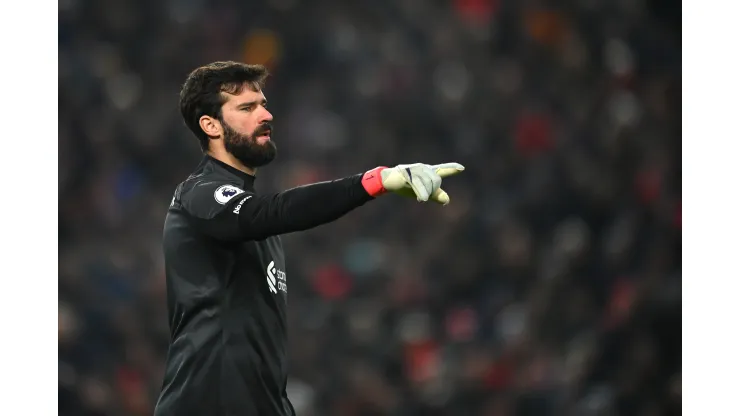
(550, 286)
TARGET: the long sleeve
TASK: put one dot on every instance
(250, 216)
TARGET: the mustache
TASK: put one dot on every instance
(263, 129)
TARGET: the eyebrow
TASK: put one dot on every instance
(251, 103)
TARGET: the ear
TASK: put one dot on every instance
(211, 126)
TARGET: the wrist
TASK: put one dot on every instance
(372, 181)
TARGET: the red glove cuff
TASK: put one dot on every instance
(373, 182)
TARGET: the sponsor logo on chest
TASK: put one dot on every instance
(276, 279)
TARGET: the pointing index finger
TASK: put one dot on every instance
(448, 169)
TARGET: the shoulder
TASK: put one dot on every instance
(205, 196)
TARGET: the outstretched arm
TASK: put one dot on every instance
(250, 216)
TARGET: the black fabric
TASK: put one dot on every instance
(227, 288)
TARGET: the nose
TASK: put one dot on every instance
(267, 116)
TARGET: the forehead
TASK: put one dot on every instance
(246, 95)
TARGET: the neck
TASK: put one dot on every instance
(226, 157)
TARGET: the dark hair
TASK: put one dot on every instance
(201, 93)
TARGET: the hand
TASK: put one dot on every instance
(416, 180)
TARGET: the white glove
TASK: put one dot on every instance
(416, 180)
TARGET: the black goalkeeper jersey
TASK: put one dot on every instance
(227, 288)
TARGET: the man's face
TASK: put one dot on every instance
(247, 128)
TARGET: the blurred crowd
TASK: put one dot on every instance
(551, 285)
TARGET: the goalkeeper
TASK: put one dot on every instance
(227, 283)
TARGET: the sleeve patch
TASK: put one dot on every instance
(239, 205)
(225, 193)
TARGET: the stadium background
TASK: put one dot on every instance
(550, 286)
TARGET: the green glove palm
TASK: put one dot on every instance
(420, 181)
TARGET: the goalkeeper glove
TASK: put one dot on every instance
(417, 180)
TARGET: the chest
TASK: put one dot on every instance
(267, 259)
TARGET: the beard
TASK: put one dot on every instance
(247, 149)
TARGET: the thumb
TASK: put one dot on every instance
(448, 169)
(440, 196)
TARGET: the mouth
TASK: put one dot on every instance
(264, 136)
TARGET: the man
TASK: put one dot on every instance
(225, 266)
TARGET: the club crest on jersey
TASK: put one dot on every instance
(224, 193)
(276, 279)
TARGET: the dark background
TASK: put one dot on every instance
(551, 285)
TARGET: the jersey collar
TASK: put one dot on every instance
(247, 178)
